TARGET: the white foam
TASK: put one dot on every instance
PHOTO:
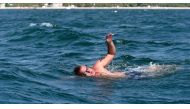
(46, 24)
(32, 24)
(154, 70)
(145, 71)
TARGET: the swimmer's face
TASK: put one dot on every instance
(86, 71)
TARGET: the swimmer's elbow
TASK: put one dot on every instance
(113, 54)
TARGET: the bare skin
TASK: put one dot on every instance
(99, 68)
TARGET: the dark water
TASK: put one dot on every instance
(40, 48)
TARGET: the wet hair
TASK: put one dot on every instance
(77, 71)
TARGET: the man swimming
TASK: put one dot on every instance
(99, 68)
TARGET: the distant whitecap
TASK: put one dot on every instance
(32, 24)
(46, 24)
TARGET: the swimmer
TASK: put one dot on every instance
(99, 68)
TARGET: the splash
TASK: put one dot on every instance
(146, 71)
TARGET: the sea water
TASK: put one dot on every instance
(40, 48)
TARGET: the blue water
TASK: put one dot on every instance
(40, 48)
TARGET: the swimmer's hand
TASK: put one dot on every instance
(109, 37)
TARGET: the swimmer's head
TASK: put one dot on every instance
(84, 70)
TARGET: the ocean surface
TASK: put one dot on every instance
(40, 48)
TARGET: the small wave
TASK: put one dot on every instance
(179, 49)
(137, 60)
(123, 41)
(127, 57)
(84, 43)
(182, 62)
(72, 54)
(152, 43)
(181, 25)
(165, 43)
(147, 27)
(127, 26)
(144, 60)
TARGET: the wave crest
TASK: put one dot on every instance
(43, 24)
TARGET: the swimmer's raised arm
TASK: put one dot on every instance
(111, 51)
